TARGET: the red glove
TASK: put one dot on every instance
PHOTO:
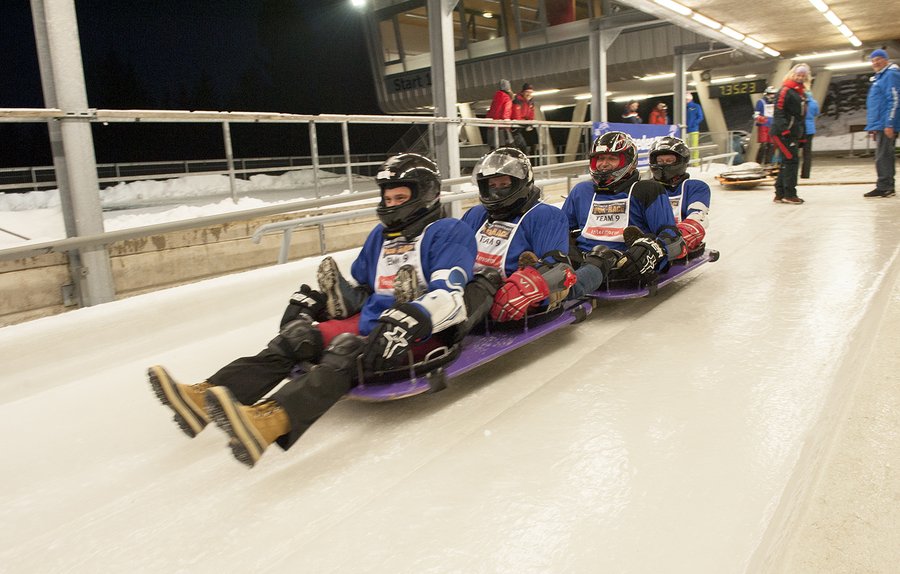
(692, 232)
(523, 289)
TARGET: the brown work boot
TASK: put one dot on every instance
(527, 259)
(251, 428)
(186, 401)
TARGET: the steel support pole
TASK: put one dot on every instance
(62, 78)
(229, 159)
(443, 89)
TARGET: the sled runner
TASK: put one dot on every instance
(630, 290)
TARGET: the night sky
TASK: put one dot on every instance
(295, 56)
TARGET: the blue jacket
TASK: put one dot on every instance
(694, 117)
(883, 101)
(446, 254)
(812, 110)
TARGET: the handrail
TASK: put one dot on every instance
(73, 243)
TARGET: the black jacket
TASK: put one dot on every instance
(790, 112)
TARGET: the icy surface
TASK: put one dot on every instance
(658, 436)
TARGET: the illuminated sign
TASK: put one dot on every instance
(738, 89)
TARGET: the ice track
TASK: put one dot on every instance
(673, 434)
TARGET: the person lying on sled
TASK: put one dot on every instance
(411, 246)
(517, 236)
(615, 200)
(689, 198)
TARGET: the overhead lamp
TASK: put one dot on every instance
(832, 17)
(820, 6)
(545, 92)
(821, 55)
(708, 22)
(753, 43)
(847, 32)
(750, 76)
(855, 41)
(724, 80)
(555, 107)
(733, 33)
(771, 52)
(583, 97)
(488, 15)
(847, 65)
(675, 7)
(358, 3)
(657, 77)
(634, 98)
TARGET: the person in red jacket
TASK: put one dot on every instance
(524, 136)
(660, 114)
(501, 109)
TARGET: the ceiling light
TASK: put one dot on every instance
(357, 3)
(824, 55)
(753, 43)
(657, 77)
(750, 76)
(488, 14)
(832, 17)
(847, 65)
(847, 32)
(723, 80)
(551, 108)
(708, 22)
(675, 7)
(635, 98)
(855, 41)
(820, 6)
(545, 92)
(733, 33)
(583, 97)
(771, 52)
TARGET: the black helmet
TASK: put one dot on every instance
(669, 174)
(421, 175)
(613, 142)
(511, 201)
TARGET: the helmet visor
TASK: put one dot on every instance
(500, 164)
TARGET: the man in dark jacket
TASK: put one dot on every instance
(787, 132)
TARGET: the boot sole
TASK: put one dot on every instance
(187, 419)
(223, 410)
(327, 276)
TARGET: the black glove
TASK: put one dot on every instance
(398, 329)
(306, 301)
(640, 259)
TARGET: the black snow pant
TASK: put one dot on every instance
(251, 378)
(885, 161)
(786, 184)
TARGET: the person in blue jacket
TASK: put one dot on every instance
(615, 202)
(511, 220)
(762, 117)
(883, 120)
(340, 325)
(812, 110)
(689, 198)
(693, 118)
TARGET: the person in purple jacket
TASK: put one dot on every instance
(340, 326)
(617, 212)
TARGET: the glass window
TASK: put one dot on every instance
(389, 46)
(529, 17)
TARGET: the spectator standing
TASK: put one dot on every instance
(630, 114)
(762, 116)
(525, 136)
(883, 120)
(788, 126)
(501, 109)
(693, 118)
(659, 115)
(812, 110)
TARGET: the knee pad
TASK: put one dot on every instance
(299, 340)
